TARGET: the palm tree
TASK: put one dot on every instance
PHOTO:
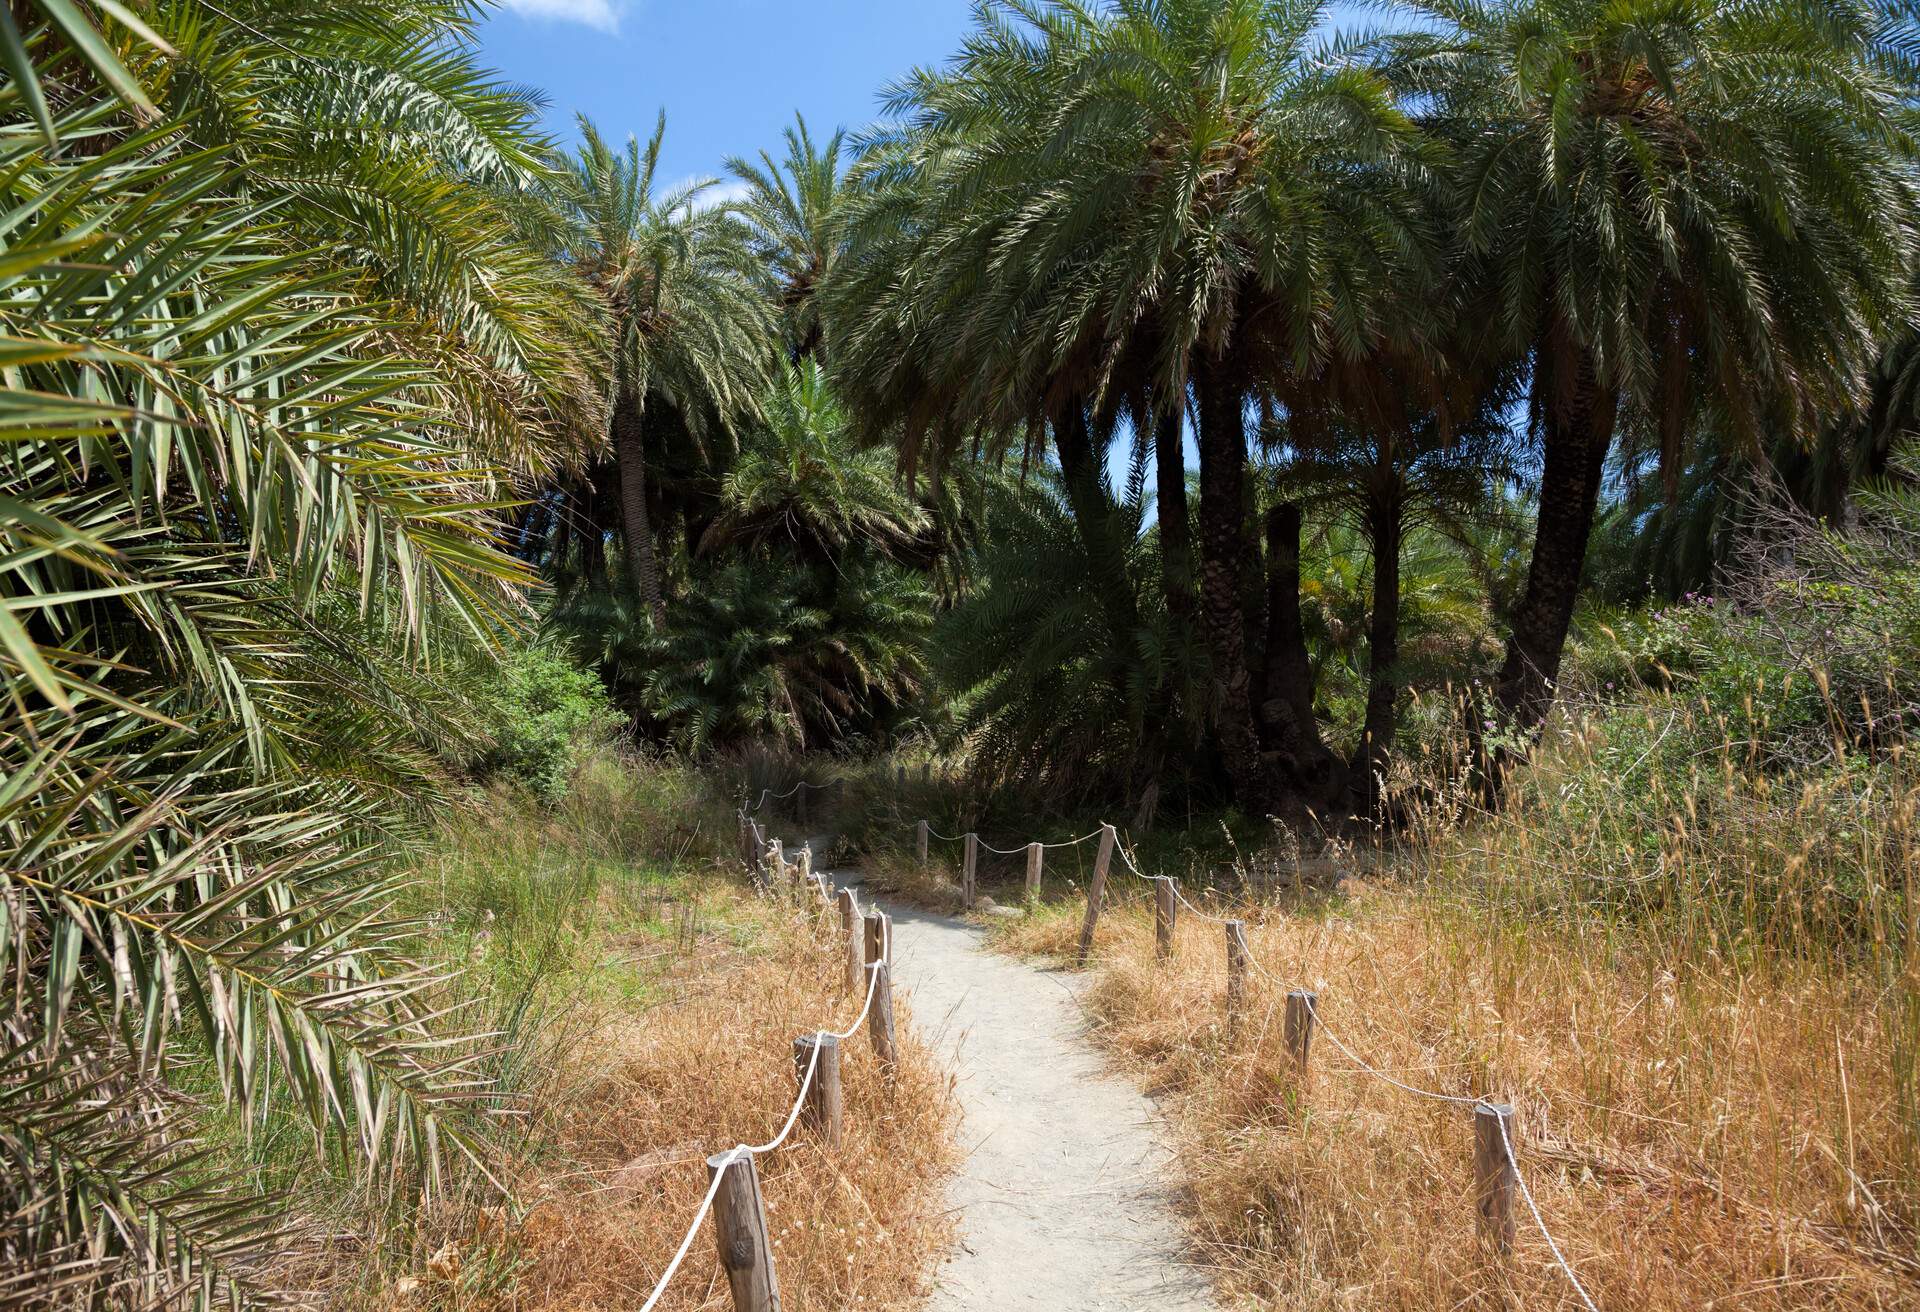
(1389, 484)
(245, 516)
(690, 329)
(1661, 207)
(795, 210)
(801, 480)
(1135, 201)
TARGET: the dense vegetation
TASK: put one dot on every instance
(364, 444)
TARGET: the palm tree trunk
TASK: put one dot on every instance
(1176, 530)
(1286, 699)
(1579, 422)
(643, 565)
(1383, 651)
(1093, 513)
(1223, 551)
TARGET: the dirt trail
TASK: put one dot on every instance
(1063, 1198)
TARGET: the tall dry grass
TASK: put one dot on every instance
(653, 1092)
(646, 1000)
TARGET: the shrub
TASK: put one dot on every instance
(547, 711)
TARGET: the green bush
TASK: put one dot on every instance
(546, 712)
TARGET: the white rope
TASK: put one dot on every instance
(1526, 1193)
(793, 1118)
(1356, 1059)
(945, 838)
(1017, 851)
(680, 1254)
(765, 793)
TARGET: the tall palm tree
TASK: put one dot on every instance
(691, 332)
(1662, 205)
(1388, 484)
(795, 210)
(1147, 198)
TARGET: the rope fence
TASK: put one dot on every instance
(733, 1192)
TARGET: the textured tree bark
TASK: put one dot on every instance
(1383, 651)
(1579, 426)
(1286, 697)
(1081, 469)
(1223, 549)
(1291, 733)
(643, 565)
(1176, 530)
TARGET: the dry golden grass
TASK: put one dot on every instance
(650, 1094)
(1695, 1136)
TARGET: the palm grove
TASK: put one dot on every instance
(331, 382)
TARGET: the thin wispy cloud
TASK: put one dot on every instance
(602, 15)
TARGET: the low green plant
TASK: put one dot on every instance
(546, 714)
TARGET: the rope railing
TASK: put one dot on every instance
(1496, 1162)
(768, 793)
(877, 971)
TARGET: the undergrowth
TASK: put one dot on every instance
(643, 1002)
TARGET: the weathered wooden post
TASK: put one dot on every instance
(777, 860)
(920, 843)
(969, 869)
(1495, 1178)
(746, 841)
(740, 1232)
(900, 776)
(1165, 909)
(1299, 1031)
(1036, 858)
(825, 1105)
(856, 957)
(880, 1018)
(1236, 977)
(1096, 890)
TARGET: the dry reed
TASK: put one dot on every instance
(651, 1095)
(1696, 1138)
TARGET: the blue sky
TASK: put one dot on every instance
(730, 73)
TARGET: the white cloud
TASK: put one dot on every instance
(603, 15)
(724, 192)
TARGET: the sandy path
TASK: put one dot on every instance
(1062, 1199)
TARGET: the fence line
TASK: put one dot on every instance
(749, 1151)
(762, 847)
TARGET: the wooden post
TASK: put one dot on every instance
(1036, 859)
(899, 776)
(1165, 909)
(968, 871)
(1236, 977)
(920, 843)
(1495, 1178)
(777, 859)
(1096, 889)
(746, 841)
(856, 976)
(740, 1232)
(825, 1106)
(1299, 1032)
(880, 1019)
